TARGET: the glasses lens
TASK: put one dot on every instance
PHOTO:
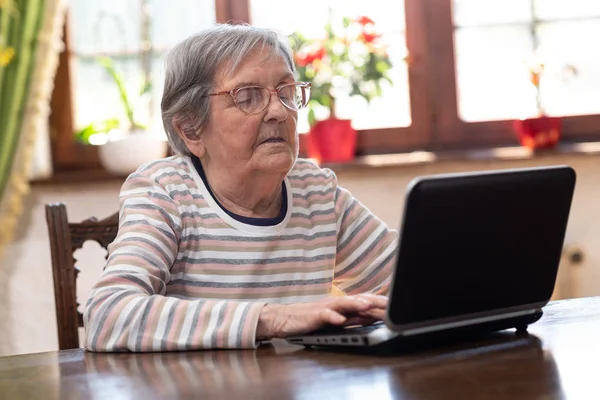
(294, 96)
(252, 99)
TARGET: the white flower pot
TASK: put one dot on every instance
(122, 154)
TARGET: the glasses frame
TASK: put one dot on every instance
(234, 92)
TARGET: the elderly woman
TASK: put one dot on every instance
(234, 240)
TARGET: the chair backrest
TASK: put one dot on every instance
(65, 238)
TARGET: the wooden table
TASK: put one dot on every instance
(559, 359)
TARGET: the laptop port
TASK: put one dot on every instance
(354, 340)
(344, 340)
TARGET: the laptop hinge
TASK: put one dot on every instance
(466, 322)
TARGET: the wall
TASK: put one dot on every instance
(26, 295)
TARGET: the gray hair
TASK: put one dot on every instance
(190, 69)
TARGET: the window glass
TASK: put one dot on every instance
(392, 109)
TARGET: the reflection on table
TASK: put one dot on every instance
(557, 359)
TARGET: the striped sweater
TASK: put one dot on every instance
(183, 274)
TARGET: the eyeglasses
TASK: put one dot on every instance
(254, 99)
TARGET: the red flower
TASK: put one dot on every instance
(310, 56)
(535, 74)
(535, 79)
(301, 60)
(364, 20)
(369, 37)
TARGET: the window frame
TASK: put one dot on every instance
(451, 131)
(432, 89)
(67, 154)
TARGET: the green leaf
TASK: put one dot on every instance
(329, 31)
(378, 89)
(326, 100)
(297, 41)
(96, 127)
(109, 66)
(145, 88)
(311, 117)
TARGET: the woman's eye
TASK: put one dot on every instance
(241, 98)
(248, 96)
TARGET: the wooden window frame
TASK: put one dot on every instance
(432, 89)
(450, 131)
(69, 155)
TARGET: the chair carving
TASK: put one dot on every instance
(65, 238)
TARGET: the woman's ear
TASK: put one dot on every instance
(193, 139)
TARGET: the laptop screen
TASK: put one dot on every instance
(478, 242)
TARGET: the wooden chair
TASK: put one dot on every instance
(65, 238)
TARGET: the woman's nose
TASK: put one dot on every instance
(275, 109)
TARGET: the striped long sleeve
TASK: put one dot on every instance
(129, 309)
(184, 274)
(366, 248)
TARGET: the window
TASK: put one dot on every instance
(462, 84)
(397, 121)
(135, 34)
(477, 78)
(392, 109)
(494, 38)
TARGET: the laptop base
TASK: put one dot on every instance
(349, 340)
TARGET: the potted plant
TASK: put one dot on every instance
(350, 60)
(540, 131)
(124, 142)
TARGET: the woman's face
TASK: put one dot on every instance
(240, 143)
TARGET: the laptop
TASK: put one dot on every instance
(478, 253)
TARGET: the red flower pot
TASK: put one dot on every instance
(333, 140)
(538, 133)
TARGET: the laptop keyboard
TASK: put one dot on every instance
(357, 330)
(363, 329)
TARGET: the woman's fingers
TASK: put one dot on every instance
(376, 300)
(329, 316)
(349, 305)
(366, 317)
(374, 313)
(338, 311)
(359, 321)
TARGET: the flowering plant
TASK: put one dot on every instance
(350, 60)
(538, 67)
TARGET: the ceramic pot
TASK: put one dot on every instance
(334, 140)
(538, 133)
(122, 154)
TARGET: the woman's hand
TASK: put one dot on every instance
(279, 321)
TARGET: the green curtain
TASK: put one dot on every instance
(20, 22)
